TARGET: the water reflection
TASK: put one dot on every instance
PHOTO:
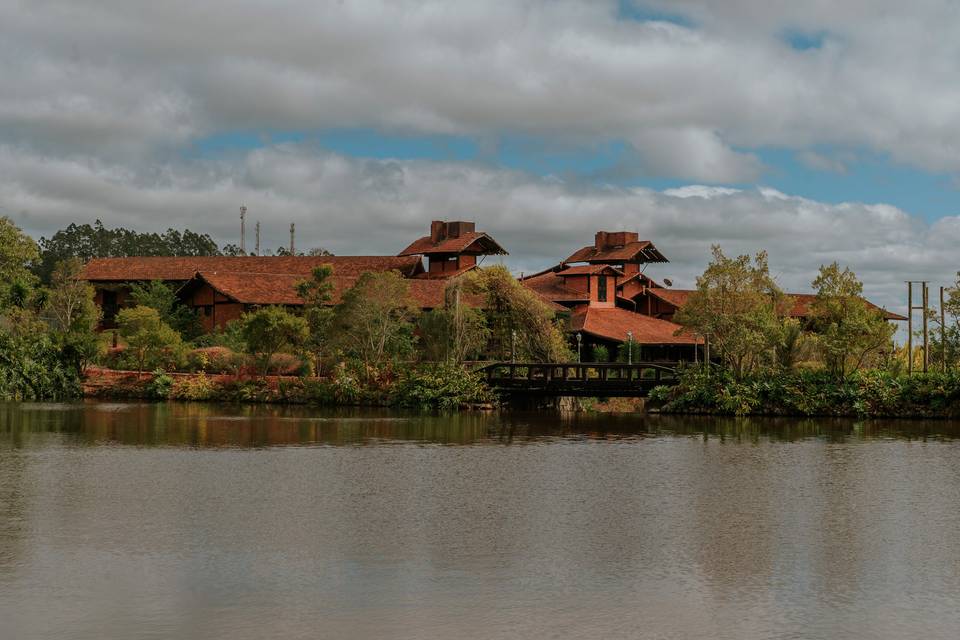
(134, 520)
(212, 425)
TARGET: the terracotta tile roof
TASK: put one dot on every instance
(280, 288)
(641, 251)
(473, 242)
(182, 268)
(589, 270)
(614, 323)
(552, 287)
(676, 297)
(800, 309)
(803, 301)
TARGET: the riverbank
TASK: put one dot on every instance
(873, 393)
(438, 387)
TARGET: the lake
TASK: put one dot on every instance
(130, 520)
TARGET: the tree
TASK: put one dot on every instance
(72, 314)
(455, 331)
(945, 340)
(268, 330)
(738, 307)
(162, 297)
(17, 252)
(148, 337)
(317, 293)
(850, 332)
(517, 317)
(373, 321)
(96, 241)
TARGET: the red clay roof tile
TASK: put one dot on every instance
(614, 323)
(470, 242)
(182, 268)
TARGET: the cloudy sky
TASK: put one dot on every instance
(819, 130)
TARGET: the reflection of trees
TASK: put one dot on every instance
(12, 505)
(213, 425)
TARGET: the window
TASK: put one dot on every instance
(602, 288)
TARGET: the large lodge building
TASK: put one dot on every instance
(601, 290)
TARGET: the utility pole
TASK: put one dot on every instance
(258, 238)
(924, 307)
(909, 328)
(926, 341)
(243, 229)
(291, 239)
(943, 333)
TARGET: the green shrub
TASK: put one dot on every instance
(160, 386)
(444, 388)
(198, 387)
(870, 393)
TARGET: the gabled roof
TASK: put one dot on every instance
(470, 242)
(676, 297)
(280, 288)
(800, 308)
(614, 323)
(182, 268)
(641, 251)
(803, 301)
(550, 286)
(589, 270)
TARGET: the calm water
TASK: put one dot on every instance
(197, 521)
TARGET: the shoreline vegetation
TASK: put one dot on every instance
(376, 348)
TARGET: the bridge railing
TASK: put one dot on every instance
(616, 373)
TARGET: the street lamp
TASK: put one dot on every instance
(579, 342)
(629, 347)
(513, 345)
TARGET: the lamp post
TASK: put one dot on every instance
(579, 342)
(629, 347)
(513, 345)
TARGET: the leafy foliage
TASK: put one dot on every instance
(850, 332)
(150, 341)
(268, 330)
(31, 366)
(317, 292)
(374, 320)
(874, 392)
(446, 387)
(517, 316)
(86, 241)
(737, 306)
(17, 252)
(163, 298)
(456, 331)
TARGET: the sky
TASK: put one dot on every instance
(817, 131)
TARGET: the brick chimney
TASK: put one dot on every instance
(438, 231)
(607, 239)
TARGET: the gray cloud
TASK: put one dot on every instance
(377, 206)
(119, 77)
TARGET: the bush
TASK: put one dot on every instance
(442, 388)
(214, 360)
(871, 393)
(600, 353)
(160, 386)
(198, 387)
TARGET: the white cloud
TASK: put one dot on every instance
(377, 206)
(117, 77)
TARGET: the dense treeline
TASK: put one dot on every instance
(840, 359)
(85, 241)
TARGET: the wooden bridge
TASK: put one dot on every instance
(585, 379)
